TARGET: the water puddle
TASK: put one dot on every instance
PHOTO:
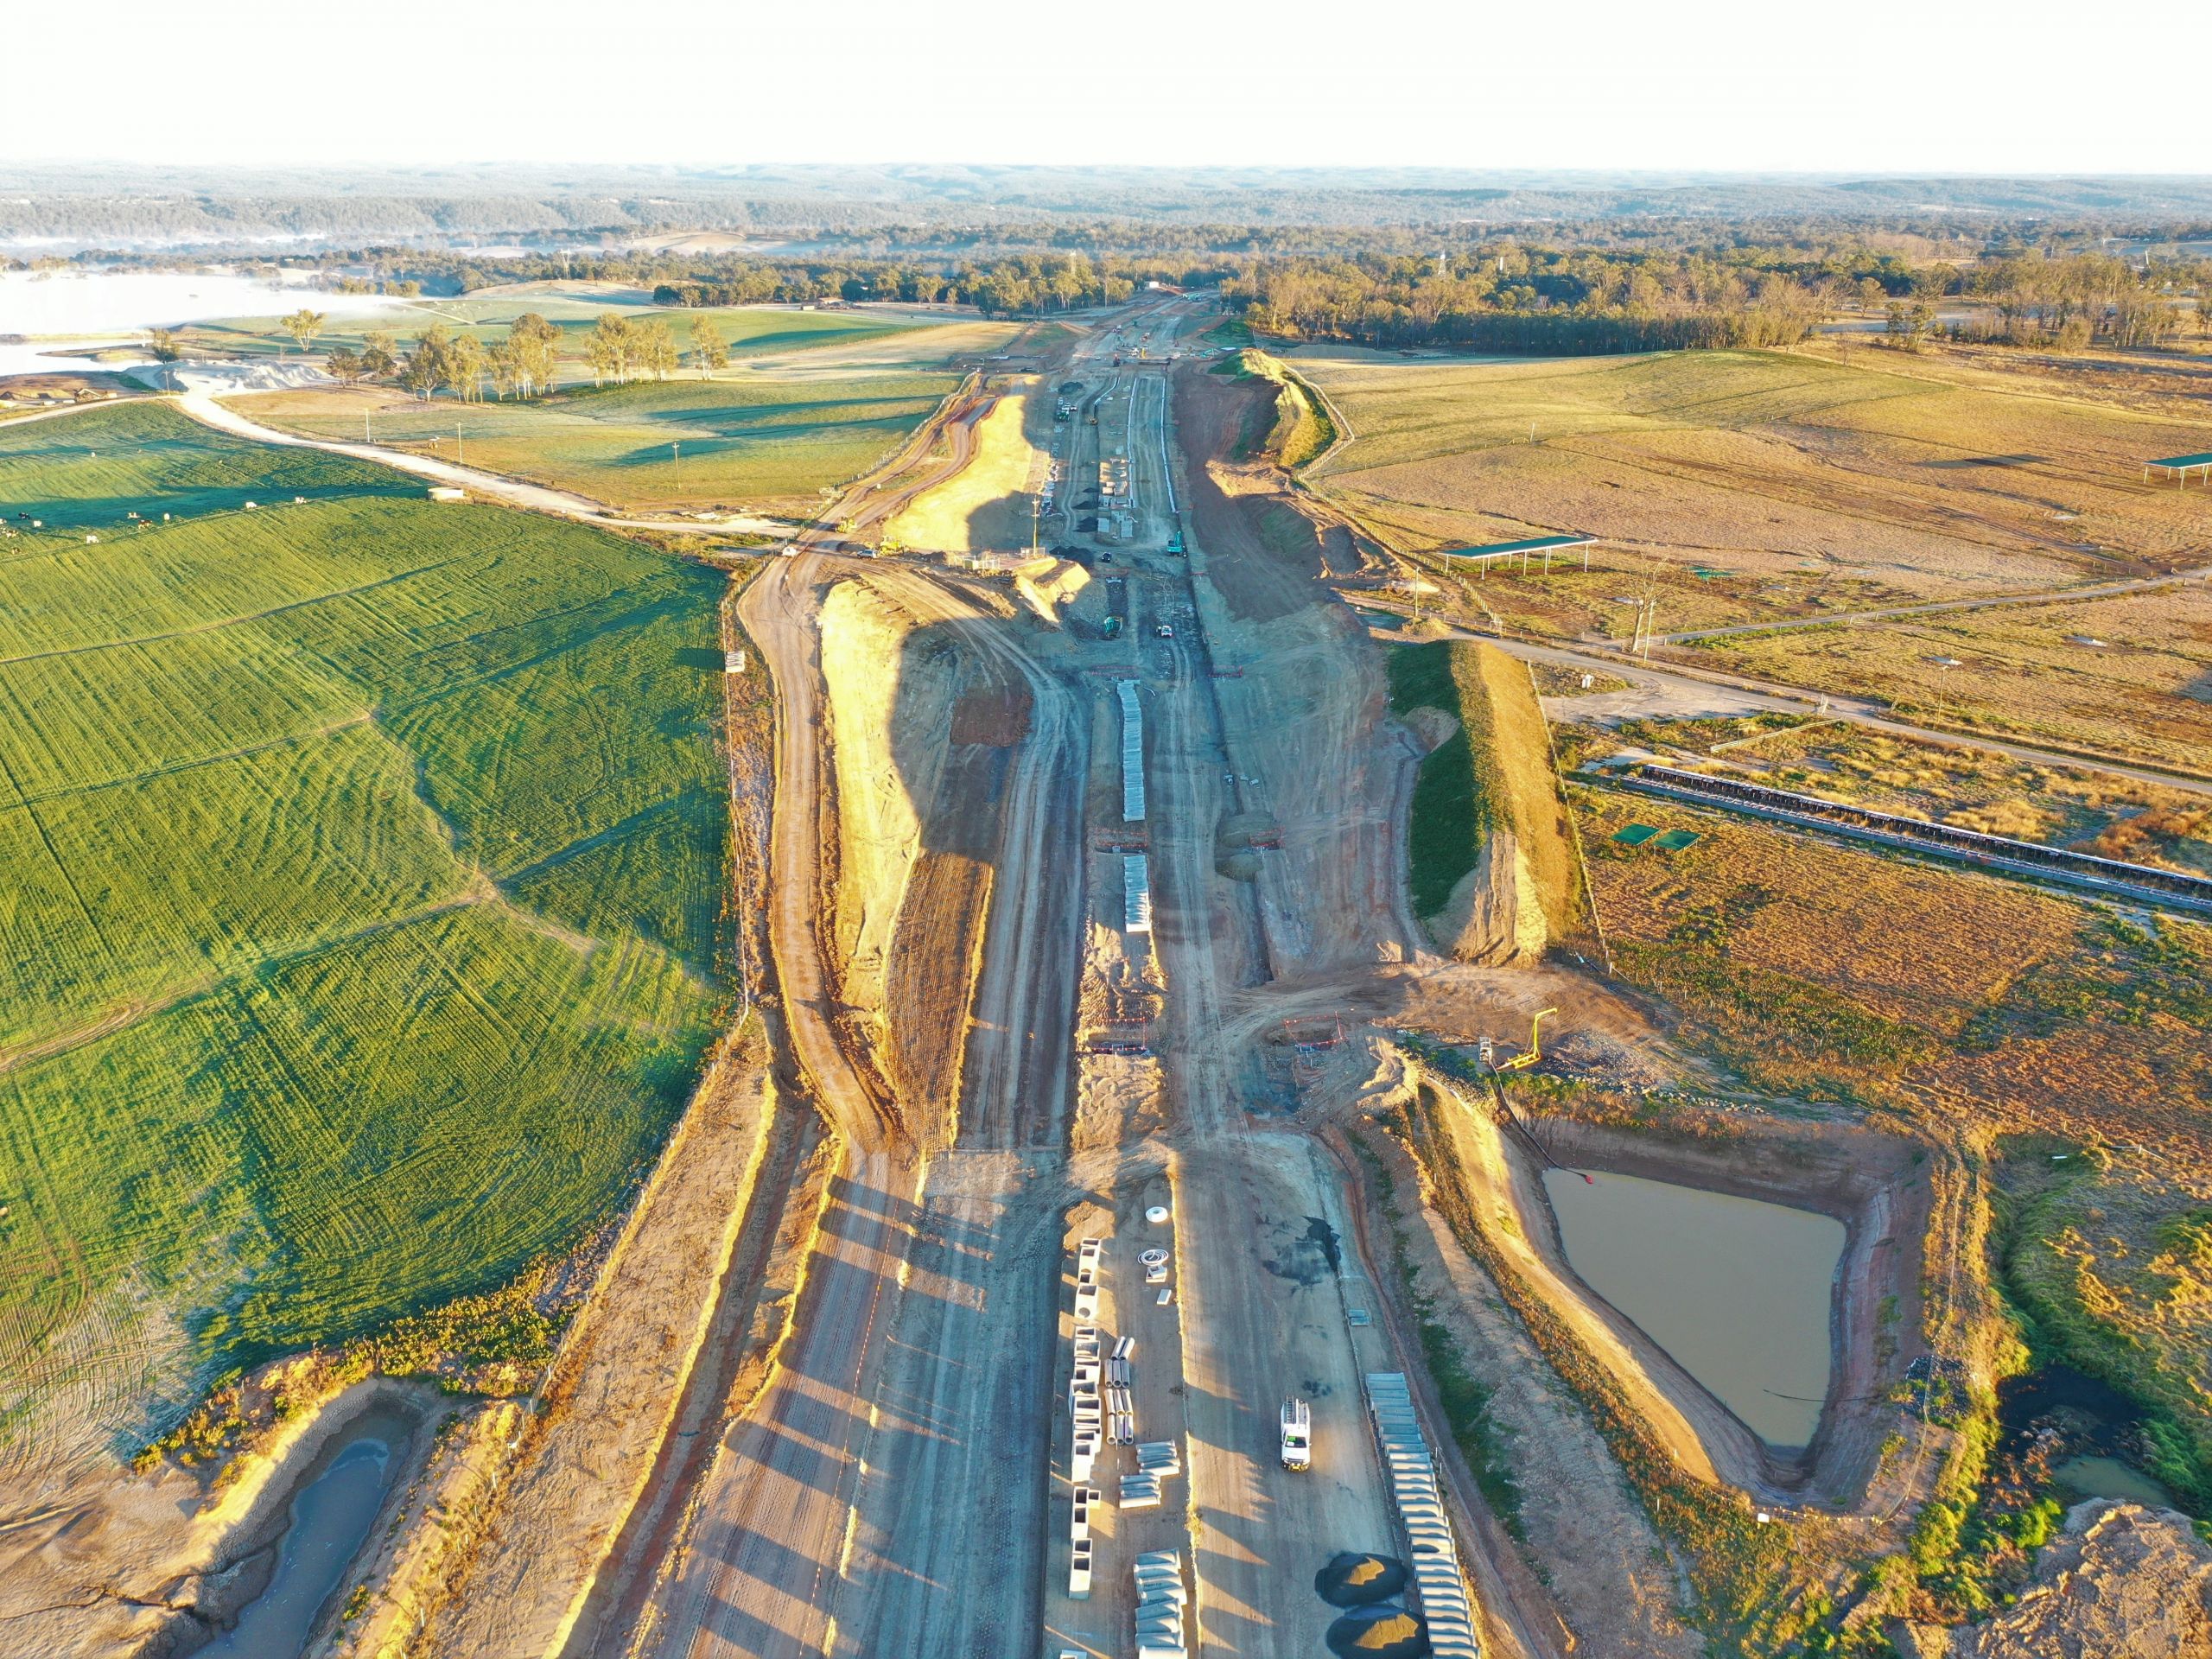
(1737, 1290)
(331, 1517)
(2061, 1426)
(2094, 1477)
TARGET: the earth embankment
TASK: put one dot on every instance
(922, 730)
(1495, 872)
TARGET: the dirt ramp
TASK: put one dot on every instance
(922, 730)
(1496, 874)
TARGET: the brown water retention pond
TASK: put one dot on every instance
(1752, 1283)
(1739, 1291)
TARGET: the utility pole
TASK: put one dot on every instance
(677, 451)
(460, 455)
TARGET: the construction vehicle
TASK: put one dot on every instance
(1297, 1434)
(1535, 1051)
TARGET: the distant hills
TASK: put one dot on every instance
(63, 208)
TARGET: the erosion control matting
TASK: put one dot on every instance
(1351, 1580)
(1378, 1633)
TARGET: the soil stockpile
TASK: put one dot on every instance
(1353, 1581)
(1378, 1633)
(2121, 1582)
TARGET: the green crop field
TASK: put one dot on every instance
(365, 869)
(770, 440)
(91, 472)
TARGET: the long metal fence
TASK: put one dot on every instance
(2116, 876)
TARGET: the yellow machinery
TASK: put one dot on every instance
(1536, 1048)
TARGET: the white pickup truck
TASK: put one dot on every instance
(1297, 1434)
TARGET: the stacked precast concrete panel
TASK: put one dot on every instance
(1136, 893)
(1446, 1606)
(1132, 752)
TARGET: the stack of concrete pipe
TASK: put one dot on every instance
(1160, 1601)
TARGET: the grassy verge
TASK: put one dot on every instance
(1459, 797)
(1302, 428)
(1494, 771)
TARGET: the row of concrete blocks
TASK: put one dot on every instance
(1162, 1598)
(1447, 1608)
(1083, 1405)
(1131, 752)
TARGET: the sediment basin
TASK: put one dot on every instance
(1864, 1301)
(332, 1513)
(1737, 1291)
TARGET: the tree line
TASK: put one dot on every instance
(1521, 298)
(1538, 302)
(1019, 285)
(525, 362)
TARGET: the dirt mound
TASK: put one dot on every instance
(1378, 1633)
(1492, 847)
(1351, 1580)
(2121, 1582)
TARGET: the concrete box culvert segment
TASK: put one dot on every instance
(1444, 1596)
(1133, 808)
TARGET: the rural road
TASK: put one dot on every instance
(1937, 608)
(210, 411)
(1676, 692)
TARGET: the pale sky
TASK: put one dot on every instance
(1765, 86)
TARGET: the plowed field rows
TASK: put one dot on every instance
(364, 872)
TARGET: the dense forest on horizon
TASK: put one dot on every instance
(1517, 263)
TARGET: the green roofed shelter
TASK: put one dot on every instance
(1546, 545)
(1674, 840)
(1635, 835)
(2181, 467)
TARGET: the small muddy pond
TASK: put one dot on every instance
(331, 1518)
(1737, 1291)
(2086, 1434)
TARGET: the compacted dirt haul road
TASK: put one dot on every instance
(1010, 1061)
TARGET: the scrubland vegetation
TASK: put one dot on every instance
(2130, 677)
(1748, 487)
(1987, 1008)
